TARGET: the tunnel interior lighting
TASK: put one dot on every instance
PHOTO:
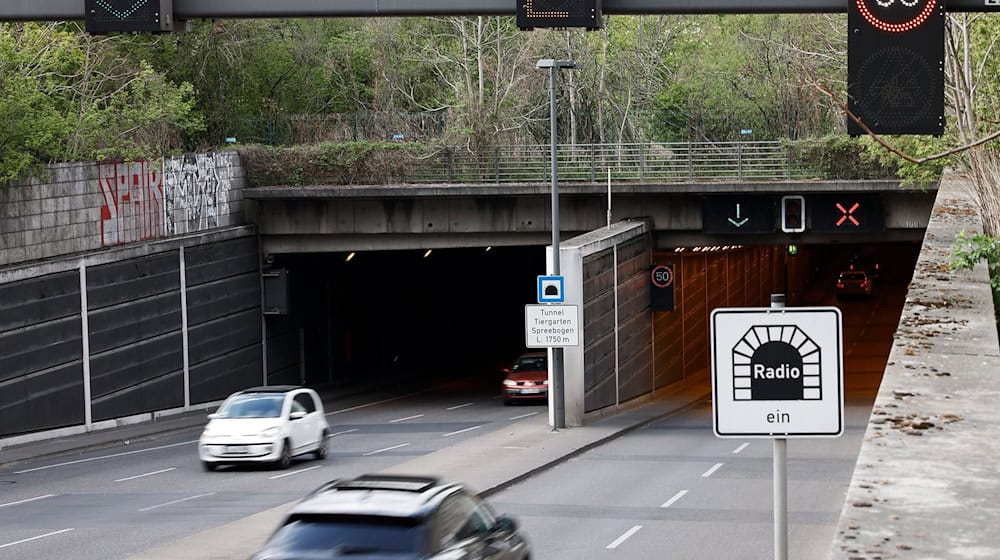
(428, 253)
(349, 257)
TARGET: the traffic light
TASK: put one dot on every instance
(793, 213)
(558, 13)
(895, 66)
(113, 16)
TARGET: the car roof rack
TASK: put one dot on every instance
(401, 483)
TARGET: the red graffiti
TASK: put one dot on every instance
(133, 208)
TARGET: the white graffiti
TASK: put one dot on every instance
(148, 200)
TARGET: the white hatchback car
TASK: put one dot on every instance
(265, 425)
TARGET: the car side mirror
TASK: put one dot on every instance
(297, 415)
(213, 416)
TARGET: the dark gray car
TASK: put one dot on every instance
(375, 517)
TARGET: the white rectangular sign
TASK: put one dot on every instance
(551, 326)
(777, 372)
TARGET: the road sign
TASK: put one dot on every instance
(793, 213)
(777, 372)
(661, 287)
(846, 213)
(551, 326)
(109, 16)
(738, 214)
(550, 289)
(558, 13)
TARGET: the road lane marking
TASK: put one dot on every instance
(623, 538)
(673, 500)
(386, 449)
(344, 432)
(177, 501)
(740, 448)
(523, 416)
(294, 472)
(414, 417)
(27, 500)
(457, 406)
(366, 405)
(36, 538)
(461, 431)
(113, 455)
(714, 468)
(146, 474)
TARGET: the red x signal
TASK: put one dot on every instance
(848, 214)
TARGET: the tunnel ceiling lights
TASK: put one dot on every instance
(349, 257)
(428, 253)
(709, 249)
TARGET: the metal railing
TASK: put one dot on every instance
(641, 163)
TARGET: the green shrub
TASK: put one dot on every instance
(839, 157)
(350, 163)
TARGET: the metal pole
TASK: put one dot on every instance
(559, 396)
(780, 446)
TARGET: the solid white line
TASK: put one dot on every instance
(407, 418)
(523, 416)
(709, 472)
(461, 431)
(740, 448)
(105, 457)
(176, 501)
(344, 432)
(673, 500)
(624, 537)
(293, 472)
(459, 406)
(147, 474)
(36, 538)
(27, 500)
(386, 449)
(366, 405)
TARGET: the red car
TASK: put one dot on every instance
(527, 380)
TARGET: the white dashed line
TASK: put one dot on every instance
(386, 449)
(344, 432)
(673, 500)
(36, 538)
(27, 500)
(105, 457)
(293, 472)
(170, 503)
(624, 537)
(740, 448)
(366, 405)
(407, 418)
(457, 406)
(523, 416)
(461, 431)
(714, 468)
(146, 474)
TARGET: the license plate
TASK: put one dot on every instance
(530, 391)
(237, 449)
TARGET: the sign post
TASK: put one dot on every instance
(778, 373)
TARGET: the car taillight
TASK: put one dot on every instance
(840, 284)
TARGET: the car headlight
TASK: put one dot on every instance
(509, 382)
(212, 434)
(270, 432)
(545, 382)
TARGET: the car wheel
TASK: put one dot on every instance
(208, 466)
(323, 448)
(285, 459)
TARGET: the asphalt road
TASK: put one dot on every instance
(111, 503)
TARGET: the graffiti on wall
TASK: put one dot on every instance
(148, 200)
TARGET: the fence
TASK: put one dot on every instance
(642, 163)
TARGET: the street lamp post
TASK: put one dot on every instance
(559, 394)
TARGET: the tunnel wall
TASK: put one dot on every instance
(121, 340)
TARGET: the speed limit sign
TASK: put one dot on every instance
(661, 287)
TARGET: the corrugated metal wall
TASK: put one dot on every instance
(135, 331)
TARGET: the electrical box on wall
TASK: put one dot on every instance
(276, 292)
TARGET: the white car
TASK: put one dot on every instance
(265, 425)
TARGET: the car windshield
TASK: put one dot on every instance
(252, 406)
(328, 536)
(852, 276)
(530, 363)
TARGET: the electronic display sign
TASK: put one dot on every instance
(846, 213)
(113, 16)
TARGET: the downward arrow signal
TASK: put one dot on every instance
(738, 222)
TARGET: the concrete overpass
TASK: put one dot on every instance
(314, 219)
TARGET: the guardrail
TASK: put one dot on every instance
(642, 163)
